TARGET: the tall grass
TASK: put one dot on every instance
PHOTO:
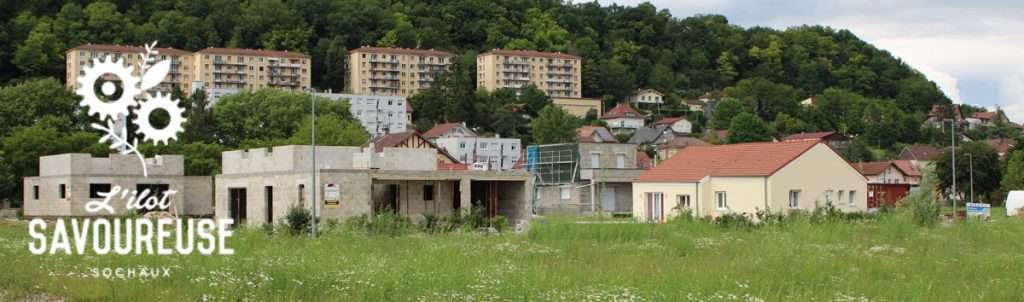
(808, 257)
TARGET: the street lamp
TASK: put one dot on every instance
(312, 98)
(970, 158)
(953, 140)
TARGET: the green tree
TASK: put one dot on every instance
(767, 98)
(25, 103)
(267, 115)
(554, 125)
(42, 53)
(724, 113)
(858, 151)
(1013, 180)
(330, 131)
(986, 168)
(746, 127)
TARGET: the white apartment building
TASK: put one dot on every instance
(378, 114)
(492, 153)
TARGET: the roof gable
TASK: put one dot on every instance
(622, 110)
(826, 135)
(754, 159)
(919, 152)
(441, 129)
(594, 134)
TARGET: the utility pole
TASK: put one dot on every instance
(953, 139)
(312, 98)
(970, 157)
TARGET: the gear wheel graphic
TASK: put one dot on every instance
(160, 101)
(113, 108)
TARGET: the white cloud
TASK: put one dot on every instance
(1012, 91)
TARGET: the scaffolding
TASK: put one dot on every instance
(553, 164)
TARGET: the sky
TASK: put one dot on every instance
(974, 50)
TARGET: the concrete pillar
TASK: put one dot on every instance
(465, 195)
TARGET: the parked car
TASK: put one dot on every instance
(1014, 203)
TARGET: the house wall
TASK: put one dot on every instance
(378, 114)
(632, 123)
(682, 126)
(411, 201)
(608, 153)
(579, 106)
(499, 152)
(669, 191)
(549, 201)
(891, 175)
(817, 172)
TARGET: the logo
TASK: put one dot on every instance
(119, 106)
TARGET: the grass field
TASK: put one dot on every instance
(885, 259)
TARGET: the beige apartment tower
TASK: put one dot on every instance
(393, 71)
(227, 69)
(555, 73)
(180, 75)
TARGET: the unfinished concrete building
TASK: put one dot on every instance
(66, 182)
(583, 178)
(259, 186)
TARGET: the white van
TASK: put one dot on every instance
(1014, 203)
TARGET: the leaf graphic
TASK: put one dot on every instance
(155, 74)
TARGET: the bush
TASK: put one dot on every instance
(386, 223)
(21, 213)
(735, 220)
(499, 223)
(922, 210)
(299, 220)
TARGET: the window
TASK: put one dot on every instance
(63, 191)
(268, 195)
(794, 199)
(595, 160)
(620, 161)
(35, 192)
(721, 200)
(655, 206)
(683, 200)
(96, 189)
(428, 192)
(828, 198)
(842, 194)
(853, 197)
(566, 193)
(302, 194)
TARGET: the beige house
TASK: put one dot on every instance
(66, 182)
(711, 181)
(557, 74)
(393, 71)
(645, 96)
(219, 71)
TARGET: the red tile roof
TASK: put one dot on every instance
(622, 110)
(403, 51)
(683, 142)
(440, 129)
(907, 167)
(1002, 145)
(987, 115)
(586, 134)
(919, 152)
(642, 160)
(872, 168)
(392, 140)
(812, 136)
(128, 48)
(667, 121)
(532, 53)
(754, 159)
(254, 52)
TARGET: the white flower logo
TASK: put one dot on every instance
(131, 87)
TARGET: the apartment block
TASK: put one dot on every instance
(555, 73)
(220, 71)
(180, 75)
(482, 153)
(251, 69)
(393, 71)
(378, 114)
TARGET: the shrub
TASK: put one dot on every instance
(298, 219)
(922, 210)
(386, 223)
(21, 213)
(499, 223)
(735, 220)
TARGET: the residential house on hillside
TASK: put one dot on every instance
(676, 144)
(711, 181)
(652, 136)
(645, 96)
(486, 153)
(833, 139)
(694, 105)
(585, 177)
(623, 116)
(711, 100)
(1002, 145)
(986, 119)
(940, 114)
(594, 134)
(679, 125)
(887, 182)
(809, 102)
(919, 155)
(413, 140)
